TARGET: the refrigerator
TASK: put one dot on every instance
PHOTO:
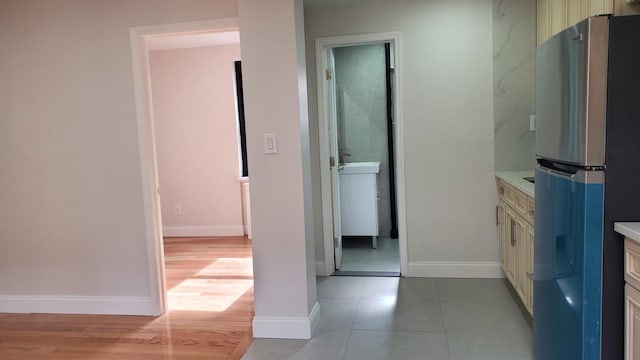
(587, 177)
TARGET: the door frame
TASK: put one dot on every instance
(147, 143)
(322, 46)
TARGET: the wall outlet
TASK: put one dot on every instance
(177, 209)
(532, 123)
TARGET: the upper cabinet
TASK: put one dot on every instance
(556, 15)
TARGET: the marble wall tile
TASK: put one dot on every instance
(361, 111)
(514, 47)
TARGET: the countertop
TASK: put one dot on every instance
(628, 229)
(515, 179)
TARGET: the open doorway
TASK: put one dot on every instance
(361, 155)
(200, 168)
(188, 130)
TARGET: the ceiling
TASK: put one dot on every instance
(182, 41)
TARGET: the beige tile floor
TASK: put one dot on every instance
(409, 318)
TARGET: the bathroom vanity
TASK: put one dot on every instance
(359, 199)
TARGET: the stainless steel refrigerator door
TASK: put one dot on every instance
(571, 74)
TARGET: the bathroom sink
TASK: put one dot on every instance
(365, 167)
(530, 179)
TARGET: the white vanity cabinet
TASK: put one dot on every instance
(359, 199)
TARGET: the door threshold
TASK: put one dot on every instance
(367, 273)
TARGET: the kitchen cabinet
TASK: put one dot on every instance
(516, 237)
(554, 16)
(632, 299)
(632, 323)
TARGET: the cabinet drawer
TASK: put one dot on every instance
(531, 209)
(502, 189)
(632, 263)
(509, 195)
(520, 203)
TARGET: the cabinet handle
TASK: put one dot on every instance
(513, 232)
(497, 215)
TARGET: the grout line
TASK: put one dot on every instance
(444, 323)
(346, 346)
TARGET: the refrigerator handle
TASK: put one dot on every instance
(556, 172)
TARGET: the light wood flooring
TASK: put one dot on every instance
(210, 301)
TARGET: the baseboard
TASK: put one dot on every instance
(221, 230)
(455, 269)
(101, 305)
(275, 327)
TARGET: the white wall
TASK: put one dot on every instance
(274, 77)
(71, 208)
(447, 114)
(197, 140)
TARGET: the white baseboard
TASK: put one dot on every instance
(102, 305)
(216, 230)
(275, 327)
(321, 269)
(455, 269)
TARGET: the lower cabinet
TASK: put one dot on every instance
(632, 299)
(632, 323)
(515, 230)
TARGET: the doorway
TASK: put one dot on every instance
(361, 155)
(198, 97)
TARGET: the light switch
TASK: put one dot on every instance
(270, 144)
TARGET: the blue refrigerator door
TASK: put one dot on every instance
(567, 265)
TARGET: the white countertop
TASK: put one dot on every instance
(515, 179)
(628, 229)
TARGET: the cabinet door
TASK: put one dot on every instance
(600, 7)
(632, 323)
(521, 260)
(575, 11)
(529, 269)
(558, 16)
(544, 22)
(511, 254)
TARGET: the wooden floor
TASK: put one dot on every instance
(210, 296)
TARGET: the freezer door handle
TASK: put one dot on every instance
(556, 172)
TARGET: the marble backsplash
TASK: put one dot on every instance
(514, 45)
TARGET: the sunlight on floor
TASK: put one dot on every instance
(228, 266)
(214, 288)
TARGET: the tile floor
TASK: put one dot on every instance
(359, 255)
(409, 318)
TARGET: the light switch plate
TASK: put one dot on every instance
(270, 144)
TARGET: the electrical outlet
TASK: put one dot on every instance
(177, 209)
(532, 123)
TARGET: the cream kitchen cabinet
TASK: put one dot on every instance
(556, 15)
(631, 231)
(516, 237)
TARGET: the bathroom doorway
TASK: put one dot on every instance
(361, 147)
